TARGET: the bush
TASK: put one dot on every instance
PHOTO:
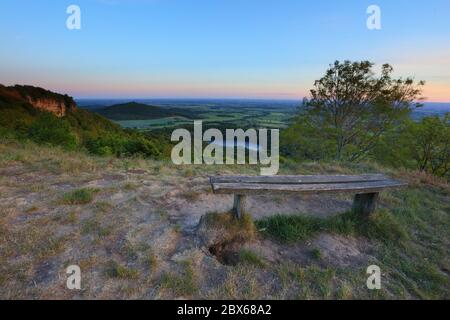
(120, 145)
(423, 145)
(141, 146)
(48, 129)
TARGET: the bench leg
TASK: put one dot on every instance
(365, 203)
(239, 205)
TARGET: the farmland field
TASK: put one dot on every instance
(154, 123)
(214, 113)
(226, 113)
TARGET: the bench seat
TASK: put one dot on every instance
(366, 187)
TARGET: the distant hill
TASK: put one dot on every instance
(431, 109)
(139, 111)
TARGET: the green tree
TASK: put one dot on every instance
(349, 109)
(430, 146)
(423, 145)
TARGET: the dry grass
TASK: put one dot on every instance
(115, 270)
(421, 178)
(184, 284)
(79, 196)
(235, 229)
(126, 249)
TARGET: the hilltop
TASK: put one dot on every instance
(146, 229)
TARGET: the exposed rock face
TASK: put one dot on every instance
(59, 108)
(39, 98)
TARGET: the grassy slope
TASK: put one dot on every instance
(18, 117)
(410, 235)
(81, 129)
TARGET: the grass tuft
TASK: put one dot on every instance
(316, 253)
(237, 229)
(115, 270)
(251, 258)
(382, 225)
(92, 226)
(181, 285)
(290, 229)
(79, 196)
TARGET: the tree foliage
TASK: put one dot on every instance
(348, 111)
(422, 145)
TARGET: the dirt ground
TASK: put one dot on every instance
(147, 224)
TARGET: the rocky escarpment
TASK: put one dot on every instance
(39, 98)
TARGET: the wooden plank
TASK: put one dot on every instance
(239, 206)
(256, 188)
(300, 179)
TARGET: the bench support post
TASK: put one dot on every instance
(365, 203)
(239, 205)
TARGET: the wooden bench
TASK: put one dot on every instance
(366, 187)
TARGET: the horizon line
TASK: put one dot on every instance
(185, 98)
(131, 99)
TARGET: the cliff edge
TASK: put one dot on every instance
(39, 98)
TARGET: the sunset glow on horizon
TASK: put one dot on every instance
(217, 49)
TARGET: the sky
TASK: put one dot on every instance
(263, 49)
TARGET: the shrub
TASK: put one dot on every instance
(141, 146)
(48, 129)
(122, 145)
(423, 145)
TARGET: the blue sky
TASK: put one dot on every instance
(216, 48)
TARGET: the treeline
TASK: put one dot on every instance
(352, 114)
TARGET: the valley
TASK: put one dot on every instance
(161, 114)
(171, 114)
